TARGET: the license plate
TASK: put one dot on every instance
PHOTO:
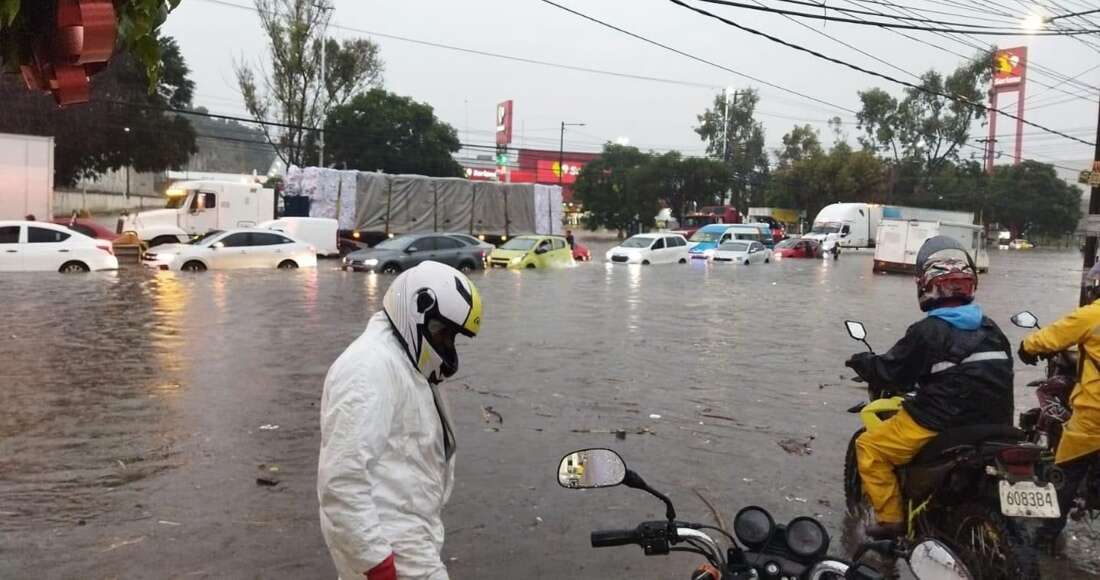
(1027, 500)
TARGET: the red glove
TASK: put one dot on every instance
(384, 571)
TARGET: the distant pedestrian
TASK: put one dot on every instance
(569, 238)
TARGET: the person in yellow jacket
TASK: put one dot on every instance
(1080, 444)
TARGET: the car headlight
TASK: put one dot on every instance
(370, 262)
(708, 253)
(517, 259)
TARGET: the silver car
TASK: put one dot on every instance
(397, 254)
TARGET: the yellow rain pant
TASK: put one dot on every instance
(879, 451)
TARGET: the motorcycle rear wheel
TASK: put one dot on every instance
(992, 546)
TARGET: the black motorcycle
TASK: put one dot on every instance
(761, 550)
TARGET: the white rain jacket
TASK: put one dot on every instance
(383, 476)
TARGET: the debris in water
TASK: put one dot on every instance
(797, 499)
(268, 427)
(490, 416)
(267, 481)
(654, 416)
(168, 523)
(796, 447)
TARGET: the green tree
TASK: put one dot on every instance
(92, 138)
(610, 191)
(733, 135)
(1031, 198)
(292, 91)
(801, 142)
(703, 182)
(841, 175)
(379, 130)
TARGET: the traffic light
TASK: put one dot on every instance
(502, 156)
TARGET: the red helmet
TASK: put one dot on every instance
(945, 274)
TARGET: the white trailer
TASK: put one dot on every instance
(857, 223)
(195, 208)
(26, 177)
(898, 241)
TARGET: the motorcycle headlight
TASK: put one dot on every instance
(753, 527)
(807, 537)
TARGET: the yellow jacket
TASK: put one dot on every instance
(1081, 435)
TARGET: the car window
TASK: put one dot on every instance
(466, 240)
(423, 244)
(559, 244)
(447, 243)
(9, 235)
(671, 242)
(204, 200)
(260, 239)
(844, 230)
(239, 240)
(44, 236)
(83, 229)
(659, 244)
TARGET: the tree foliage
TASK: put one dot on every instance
(608, 188)
(291, 91)
(23, 22)
(733, 135)
(92, 139)
(1031, 198)
(379, 130)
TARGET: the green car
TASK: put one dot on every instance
(532, 252)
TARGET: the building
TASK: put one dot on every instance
(531, 166)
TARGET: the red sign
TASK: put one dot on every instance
(504, 123)
(480, 174)
(1009, 66)
(548, 171)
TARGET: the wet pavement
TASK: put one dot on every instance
(140, 409)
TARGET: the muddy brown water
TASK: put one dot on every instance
(137, 409)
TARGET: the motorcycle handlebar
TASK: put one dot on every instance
(609, 538)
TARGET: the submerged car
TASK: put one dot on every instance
(798, 248)
(234, 249)
(656, 248)
(30, 246)
(532, 252)
(581, 253)
(403, 252)
(743, 252)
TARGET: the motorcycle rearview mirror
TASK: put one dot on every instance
(591, 468)
(1025, 319)
(931, 559)
(857, 331)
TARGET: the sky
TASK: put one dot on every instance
(465, 88)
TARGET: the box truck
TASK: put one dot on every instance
(857, 223)
(26, 177)
(195, 208)
(898, 241)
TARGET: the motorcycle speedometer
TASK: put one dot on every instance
(753, 526)
(807, 538)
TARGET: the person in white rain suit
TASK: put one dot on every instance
(387, 448)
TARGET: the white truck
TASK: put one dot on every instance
(195, 208)
(857, 223)
(26, 177)
(898, 241)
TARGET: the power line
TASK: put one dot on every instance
(884, 15)
(1053, 18)
(973, 29)
(858, 68)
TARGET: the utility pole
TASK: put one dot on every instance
(129, 162)
(726, 135)
(324, 82)
(561, 171)
(1094, 210)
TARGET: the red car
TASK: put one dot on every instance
(798, 248)
(88, 228)
(581, 253)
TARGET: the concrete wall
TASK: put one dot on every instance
(64, 202)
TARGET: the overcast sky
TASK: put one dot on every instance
(464, 88)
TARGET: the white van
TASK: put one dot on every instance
(898, 241)
(321, 233)
(857, 223)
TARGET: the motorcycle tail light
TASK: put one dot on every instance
(1019, 460)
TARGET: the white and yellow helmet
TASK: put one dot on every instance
(428, 305)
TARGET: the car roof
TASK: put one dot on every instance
(47, 225)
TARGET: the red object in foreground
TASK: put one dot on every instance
(79, 45)
(581, 253)
(384, 571)
(88, 228)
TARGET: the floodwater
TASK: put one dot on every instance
(139, 409)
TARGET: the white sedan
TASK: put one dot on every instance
(42, 247)
(233, 249)
(656, 248)
(743, 252)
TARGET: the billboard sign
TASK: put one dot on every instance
(550, 171)
(504, 123)
(1009, 66)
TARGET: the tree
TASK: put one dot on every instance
(609, 189)
(92, 138)
(702, 182)
(1030, 197)
(801, 142)
(733, 135)
(818, 179)
(292, 91)
(379, 130)
(23, 23)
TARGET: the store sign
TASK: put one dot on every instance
(1009, 66)
(481, 174)
(550, 171)
(504, 123)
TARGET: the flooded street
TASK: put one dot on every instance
(139, 409)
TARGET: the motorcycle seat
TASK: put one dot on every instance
(965, 436)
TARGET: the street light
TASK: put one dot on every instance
(129, 162)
